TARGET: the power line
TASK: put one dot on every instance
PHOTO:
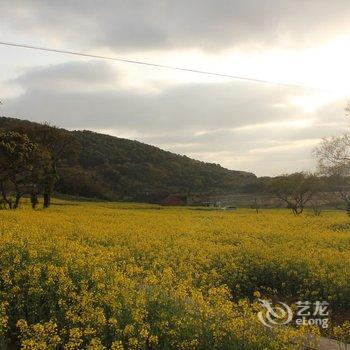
(151, 64)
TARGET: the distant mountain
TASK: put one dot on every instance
(114, 168)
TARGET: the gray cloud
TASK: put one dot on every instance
(154, 24)
(191, 107)
(236, 124)
(239, 125)
(68, 76)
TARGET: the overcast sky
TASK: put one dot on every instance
(266, 129)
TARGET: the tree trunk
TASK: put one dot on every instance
(47, 199)
(4, 195)
(348, 207)
(297, 210)
(34, 199)
(300, 210)
(18, 195)
(17, 199)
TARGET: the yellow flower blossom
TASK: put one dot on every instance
(113, 276)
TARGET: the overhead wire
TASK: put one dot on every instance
(157, 65)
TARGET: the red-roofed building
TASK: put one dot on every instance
(174, 200)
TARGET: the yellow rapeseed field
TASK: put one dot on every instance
(118, 276)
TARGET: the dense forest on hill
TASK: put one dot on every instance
(113, 168)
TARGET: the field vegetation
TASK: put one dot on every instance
(127, 276)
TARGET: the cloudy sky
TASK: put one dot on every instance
(266, 129)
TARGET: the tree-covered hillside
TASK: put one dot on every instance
(113, 168)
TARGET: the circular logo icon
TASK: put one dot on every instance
(276, 315)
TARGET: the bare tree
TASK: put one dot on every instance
(333, 156)
(295, 190)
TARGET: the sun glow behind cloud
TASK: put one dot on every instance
(322, 70)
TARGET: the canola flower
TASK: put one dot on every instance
(116, 276)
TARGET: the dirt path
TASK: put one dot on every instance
(328, 344)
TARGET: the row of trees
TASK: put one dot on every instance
(33, 157)
(303, 189)
(29, 160)
(333, 177)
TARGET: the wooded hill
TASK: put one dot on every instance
(113, 168)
